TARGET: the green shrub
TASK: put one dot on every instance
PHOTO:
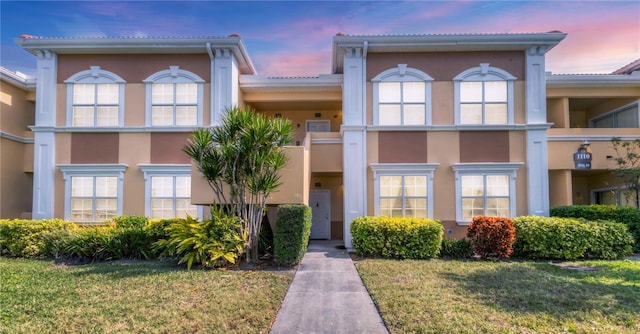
(211, 243)
(570, 238)
(622, 214)
(32, 238)
(491, 236)
(291, 235)
(156, 230)
(402, 238)
(608, 241)
(130, 221)
(456, 248)
(93, 243)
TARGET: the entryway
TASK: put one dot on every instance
(320, 203)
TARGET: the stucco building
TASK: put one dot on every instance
(439, 126)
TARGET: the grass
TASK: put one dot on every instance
(441, 296)
(141, 297)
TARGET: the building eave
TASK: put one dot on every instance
(443, 43)
(593, 80)
(17, 79)
(322, 83)
(138, 45)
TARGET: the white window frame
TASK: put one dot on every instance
(91, 170)
(173, 75)
(485, 168)
(403, 169)
(95, 75)
(484, 73)
(615, 112)
(402, 73)
(163, 170)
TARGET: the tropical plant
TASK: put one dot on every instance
(211, 243)
(240, 160)
(628, 166)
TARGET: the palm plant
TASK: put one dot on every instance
(240, 160)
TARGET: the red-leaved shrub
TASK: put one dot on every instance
(492, 236)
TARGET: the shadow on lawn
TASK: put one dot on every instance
(126, 268)
(559, 292)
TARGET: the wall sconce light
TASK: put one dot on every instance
(278, 115)
(318, 184)
(318, 114)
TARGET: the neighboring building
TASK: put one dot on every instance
(17, 97)
(440, 126)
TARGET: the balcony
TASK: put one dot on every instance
(564, 142)
(326, 151)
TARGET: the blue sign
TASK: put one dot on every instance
(582, 159)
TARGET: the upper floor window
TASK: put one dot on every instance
(402, 96)
(625, 117)
(483, 95)
(174, 98)
(95, 98)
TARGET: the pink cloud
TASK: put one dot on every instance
(292, 63)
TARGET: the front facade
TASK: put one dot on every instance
(439, 126)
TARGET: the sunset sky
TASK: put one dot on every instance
(293, 38)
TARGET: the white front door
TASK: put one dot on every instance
(319, 201)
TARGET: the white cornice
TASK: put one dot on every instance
(15, 138)
(260, 83)
(442, 43)
(139, 45)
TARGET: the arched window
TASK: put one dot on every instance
(402, 96)
(483, 95)
(174, 98)
(95, 98)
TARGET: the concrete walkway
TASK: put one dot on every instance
(327, 296)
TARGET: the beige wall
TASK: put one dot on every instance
(17, 112)
(299, 118)
(16, 185)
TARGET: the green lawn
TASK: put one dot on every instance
(141, 297)
(441, 296)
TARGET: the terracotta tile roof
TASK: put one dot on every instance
(627, 69)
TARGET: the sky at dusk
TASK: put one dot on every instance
(294, 38)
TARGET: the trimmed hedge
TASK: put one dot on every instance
(570, 238)
(33, 238)
(402, 238)
(492, 236)
(291, 235)
(622, 214)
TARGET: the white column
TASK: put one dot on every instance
(224, 83)
(354, 140)
(537, 146)
(44, 137)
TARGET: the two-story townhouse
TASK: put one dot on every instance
(17, 97)
(440, 126)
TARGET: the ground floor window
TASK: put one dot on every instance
(93, 193)
(94, 198)
(485, 195)
(485, 189)
(171, 197)
(168, 191)
(403, 196)
(403, 190)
